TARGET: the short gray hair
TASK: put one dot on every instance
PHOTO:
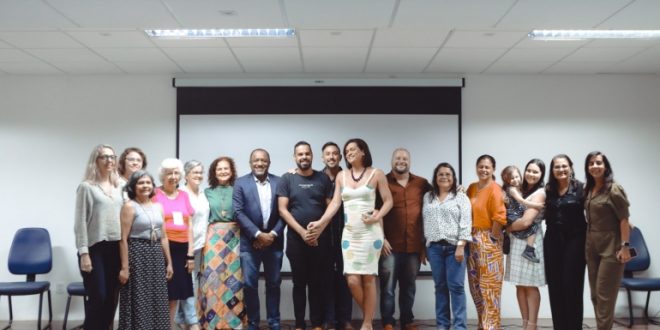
(169, 163)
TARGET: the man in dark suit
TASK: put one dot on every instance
(262, 231)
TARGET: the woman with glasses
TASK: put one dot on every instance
(97, 230)
(131, 160)
(146, 265)
(563, 245)
(178, 226)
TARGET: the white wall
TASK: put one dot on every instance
(48, 126)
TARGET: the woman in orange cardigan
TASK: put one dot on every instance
(485, 262)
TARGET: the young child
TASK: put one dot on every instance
(516, 206)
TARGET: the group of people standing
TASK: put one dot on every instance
(197, 255)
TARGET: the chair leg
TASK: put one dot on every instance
(50, 312)
(66, 312)
(41, 301)
(631, 320)
(646, 310)
(11, 315)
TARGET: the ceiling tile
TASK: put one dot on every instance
(536, 54)
(519, 67)
(640, 14)
(210, 67)
(320, 60)
(38, 68)
(484, 39)
(645, 62)
(80, 67)
(469, 54)
(132, 54)
(5, 45)
(39, 39)
(246, 13)
(429, 15)
(16, 55)
(335, 38)
(587, 54)
(112, 38)
(529, 43)
(634, 43)
(99, 14)
(585, 67)
(409, 37)
(30, 14)
(255, 60)
(262, 42)
(66, 55)
(458, 66)
(148, 67)
(339, 14)
(396, 60)
(559, 14)
(200, 54)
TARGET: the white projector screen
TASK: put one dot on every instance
(431, 139)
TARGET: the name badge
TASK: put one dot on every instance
(177, 218)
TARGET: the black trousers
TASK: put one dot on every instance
(102, 285)
(339, 308)
(564, 271)
(311, 268)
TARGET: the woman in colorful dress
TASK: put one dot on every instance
(194, 176)
(221, 284)
(178, 226)
(146, 265)
(447, 216)
(362, 238)
(97, 230)
(608, 247)
(526, 275)
(486, 263)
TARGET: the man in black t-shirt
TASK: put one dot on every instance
(302, 198)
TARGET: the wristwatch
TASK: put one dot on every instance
(625, 243)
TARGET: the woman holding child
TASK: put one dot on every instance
(525, 262)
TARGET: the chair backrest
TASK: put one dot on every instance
(30, 253)
(643, 259)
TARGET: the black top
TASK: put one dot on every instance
(566, 213)
(307, 198)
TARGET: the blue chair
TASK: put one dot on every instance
(30, 254)
(638, 264)
(74, 289)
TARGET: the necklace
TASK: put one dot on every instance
(359, 177)
(151, 221)
(105, 192)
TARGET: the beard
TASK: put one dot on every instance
(304, 167)
(400, 169)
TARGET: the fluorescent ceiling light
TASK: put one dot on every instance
(592, 34)
(220, 33)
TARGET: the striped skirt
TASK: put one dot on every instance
(485, 272)
(143, 300)
(221, 279)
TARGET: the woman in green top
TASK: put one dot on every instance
(607, 247)
(221, 283)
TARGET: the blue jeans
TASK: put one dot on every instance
(401, 267)
(251, 262)
(186, 312)
(449, 279)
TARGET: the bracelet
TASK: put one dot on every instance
(190, 257)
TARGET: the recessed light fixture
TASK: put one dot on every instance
(220, 33)
(592, 34)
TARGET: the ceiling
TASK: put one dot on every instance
(395, 38)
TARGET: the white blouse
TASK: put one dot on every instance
(449, 220)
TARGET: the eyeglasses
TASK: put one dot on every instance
(107, 158)
(134, 159)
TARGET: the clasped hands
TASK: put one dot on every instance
(263, 240)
